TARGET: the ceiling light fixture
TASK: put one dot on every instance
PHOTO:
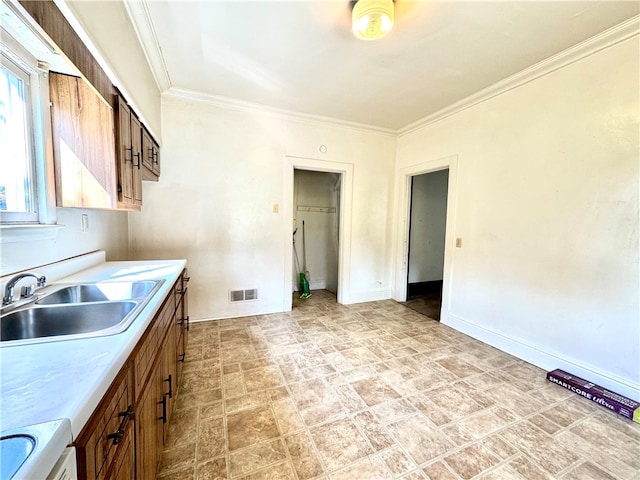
(372, 19)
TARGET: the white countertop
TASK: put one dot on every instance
(66, 379)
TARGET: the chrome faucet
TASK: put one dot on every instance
(27, 291)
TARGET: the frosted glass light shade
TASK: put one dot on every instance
(371, 19)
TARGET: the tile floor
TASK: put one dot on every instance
(378, 391)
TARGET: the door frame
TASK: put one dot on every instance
(402, 240)
(344, 229)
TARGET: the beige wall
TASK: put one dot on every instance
(547, 209)
(223, 170)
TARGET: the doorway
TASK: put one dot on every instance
(316, 221)
(426, 250)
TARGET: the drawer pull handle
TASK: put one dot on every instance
(164, 409)
(186, 279)
(126, 416)
(170, 392)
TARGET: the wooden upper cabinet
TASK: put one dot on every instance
(83, 144)
(128, 146)
(150, 157)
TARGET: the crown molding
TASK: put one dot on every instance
(243, 106)
(138, 11)
(606, 39)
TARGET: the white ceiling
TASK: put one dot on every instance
(301, 55)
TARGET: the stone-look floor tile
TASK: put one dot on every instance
(234, 354)
(243, 402)
(471, 461)
(214, 469)
(199, 380)
(375, 432)
(197, 399)
(389, 412)
(528, 469)
(211, 439)
(587, 449)
(499, 447)
(287, 416)
(482, 424)
(340, 443)
(281, 471)
(456, 404)
(608, 439)
(439, 471)
(255, 457)
(397, 461)
(187, 473)
(588, 471)
(543, 423)
(351, 401)
(367, 468)
(503, 472)
(263, 378)
(420, 439)
(251, 426)
(430, 410)
(425, 391)
(456, 434)
(209, 411)
(415, 475)
(519, 403)
(183, 427)
(458, 367)
(179, 457)
(546, 451)
(374, 390)
(304, 458)
(231, 368)
(233, 385)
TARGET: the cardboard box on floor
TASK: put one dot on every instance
(621, 405)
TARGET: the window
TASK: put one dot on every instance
(18, 200)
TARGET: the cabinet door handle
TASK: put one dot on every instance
(188, 322)
(138, 157)
(128, 149)
(182, 355)
(170, 392)
(126, 416)
(164, 409)
(186, 279)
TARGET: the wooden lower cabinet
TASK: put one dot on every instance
(125, 460)
(125, 436)
(149, 429)
(100, 444)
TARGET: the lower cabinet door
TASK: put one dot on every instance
(124, 467)
(150, 419)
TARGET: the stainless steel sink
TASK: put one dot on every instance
(56, 320)
(14, 451)
(99, 292)
(66, 312)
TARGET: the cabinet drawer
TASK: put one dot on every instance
(100, 440)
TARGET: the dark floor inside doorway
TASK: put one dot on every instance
(425, 298)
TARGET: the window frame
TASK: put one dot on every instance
(13, 55)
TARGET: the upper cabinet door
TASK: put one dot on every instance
(150, 157)
(83, 144)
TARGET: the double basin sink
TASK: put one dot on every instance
(77, 311)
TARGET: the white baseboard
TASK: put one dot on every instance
(537, 356)
(370, 296)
